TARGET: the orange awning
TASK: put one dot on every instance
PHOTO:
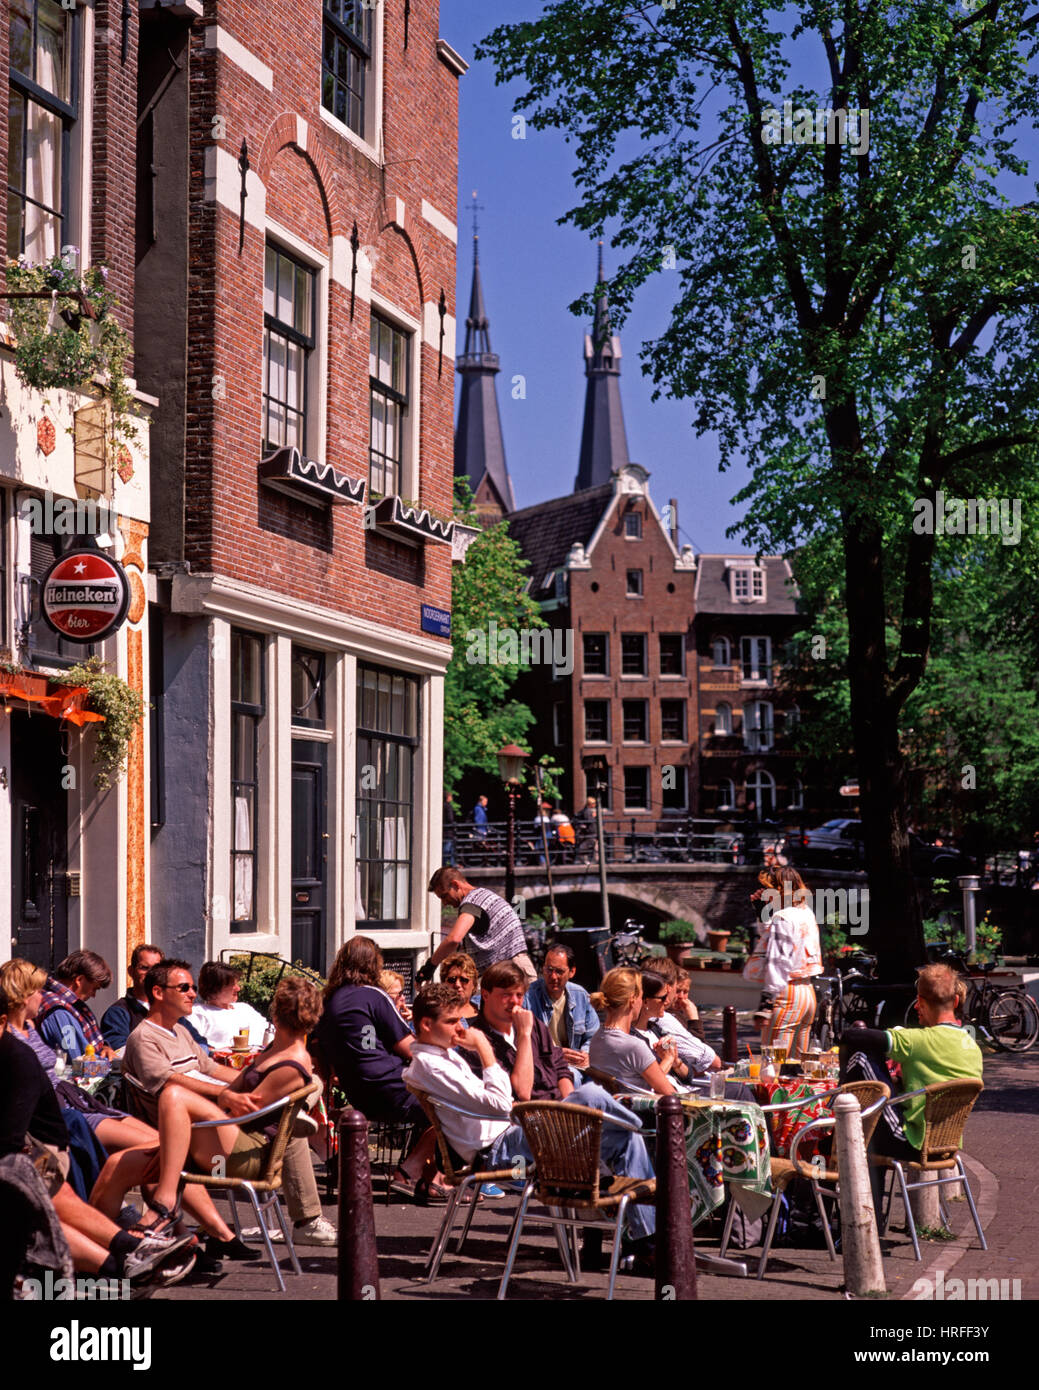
(66, 702)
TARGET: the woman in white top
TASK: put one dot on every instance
(218, 1015)
(785, 959)
(614, 1049)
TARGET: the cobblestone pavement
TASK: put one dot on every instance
(1002, 1141)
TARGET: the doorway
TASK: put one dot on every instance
(309, 851)
(39, 841)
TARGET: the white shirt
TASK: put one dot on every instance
(219, 1026)
(787, 949)
(447, 1076)
(696, 1055)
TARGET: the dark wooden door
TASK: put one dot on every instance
(309, 851)
(39, 841)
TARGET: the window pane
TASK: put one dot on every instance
(52, 68)
(302, 292)
(270, 279)
(21, 36)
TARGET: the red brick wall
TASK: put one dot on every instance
(113, 153)
(5, 69)
(235, 527)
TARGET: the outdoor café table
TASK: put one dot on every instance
(785, 1124)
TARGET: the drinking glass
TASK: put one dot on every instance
(780, 1055)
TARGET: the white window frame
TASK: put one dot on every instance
(317, 365)
(755, 727)
(721, 644)
(759, 666)
(747, 582)
(723, 722)
(726, 802)
(371, 143)
(762, 779)
(636, 533)
(797, 795)
(410, 469)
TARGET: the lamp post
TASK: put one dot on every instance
(510, 769)
(596, 770)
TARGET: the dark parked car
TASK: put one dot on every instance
(838, 844)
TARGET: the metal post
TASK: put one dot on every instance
(968, 883)
(730, 1047)
(358, 1260)
(510, 847)
(863, 1267)
(676, 1257)
(601, 836)
(544, 845)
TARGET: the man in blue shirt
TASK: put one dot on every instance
(563, 1006)
(121, 1017)
(480, 816)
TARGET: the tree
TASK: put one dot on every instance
(488, 599)
(857, 302)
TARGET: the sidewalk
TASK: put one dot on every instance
(1002, 1141)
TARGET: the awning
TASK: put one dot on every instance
(35, 692)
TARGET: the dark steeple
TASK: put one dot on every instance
(479, 449)
(604, 443)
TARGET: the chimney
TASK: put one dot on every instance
(673, 504)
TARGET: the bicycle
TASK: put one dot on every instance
(838, 1005)
(1004, 1015)
(628, 948)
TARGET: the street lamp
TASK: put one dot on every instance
(597, 771)
(510, 769)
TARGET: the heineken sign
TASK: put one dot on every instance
(84, 595)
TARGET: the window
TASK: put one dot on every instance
(757, 726)
(756, 659)
(672, 654)
(721, 652)
(596, 654)
(596, 721)
(633, 654)
(346, 60)
(288, 341)
(672, 720)
(748, 583)
(673, 798)
(723, 720)
(636, 721)
(247, 709)
(40, 115)
(797, 795)
(634, 583)
(387, 740)
(388, 376)
(633, 526)
(793, 718)
(308, 687)
(636, 789)
(726, 794)
(761, 795)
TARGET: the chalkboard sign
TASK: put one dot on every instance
(403, 962)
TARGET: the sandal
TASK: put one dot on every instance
(166, 1222)
(427, 1196)
(401, 1183)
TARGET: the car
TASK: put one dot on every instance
(838, 844)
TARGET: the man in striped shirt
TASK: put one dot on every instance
(486, 924)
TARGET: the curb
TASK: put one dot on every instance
(985, 1188)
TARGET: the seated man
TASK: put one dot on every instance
(695, 1058)
(563, 1007)
(65, 1019)
(520, 1042)
(444, 1074)
(157, 1052)
(121, 1017)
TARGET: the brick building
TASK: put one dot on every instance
(297, 177)
(78, 863)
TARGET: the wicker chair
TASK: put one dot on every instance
(460, 1180)
(565, 1140)
(262, 1192)
(946, 1109)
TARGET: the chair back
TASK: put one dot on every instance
(867, 1093)
(605, 1080)
(450, 1173)
(565, 1141)
(947, 1105)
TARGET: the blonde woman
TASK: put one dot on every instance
(614, 1049)
(785, 959)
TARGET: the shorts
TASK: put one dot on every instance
(248, 1158)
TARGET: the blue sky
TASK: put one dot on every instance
(532, 269)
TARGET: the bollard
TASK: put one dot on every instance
(676, 1258)
(860, 1245)
(730, 1047)
(358, 1261)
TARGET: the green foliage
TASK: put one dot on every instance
(479, 716)
(543, 918)
(122, 707)
(59, 347)
(677, 930)
(949, 927)
(258, 989)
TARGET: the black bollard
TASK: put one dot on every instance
(730, 1047)
(675, 1256)
(358, 1273)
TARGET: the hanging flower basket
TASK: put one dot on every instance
(67, 334)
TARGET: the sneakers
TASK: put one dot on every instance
(316, 1231)
(152, 1251)
(491, 1189)
(175, 1267)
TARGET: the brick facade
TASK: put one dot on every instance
(113, 152)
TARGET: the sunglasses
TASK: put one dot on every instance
(457, 979)
(184, 989)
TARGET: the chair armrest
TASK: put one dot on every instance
(825, 1122)
(439, 1104)
(237, 1119)
(905, 1095)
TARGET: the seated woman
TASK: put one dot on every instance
(367, 1044)
(219, 1014)
(613, 1049)
(655, 996)
(460, 973)
(393, 985)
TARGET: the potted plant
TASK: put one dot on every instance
(122, 708)
(718, 939)
(678, 935)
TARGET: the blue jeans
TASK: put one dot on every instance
(623, 1152)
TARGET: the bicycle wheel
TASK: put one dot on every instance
(1013, 1020)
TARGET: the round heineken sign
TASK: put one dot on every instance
(84, 595)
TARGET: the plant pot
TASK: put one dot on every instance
(718, 940)
(677, 950)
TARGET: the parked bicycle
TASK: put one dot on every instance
(840, 1001)
(1003, 1015)
(628, 948)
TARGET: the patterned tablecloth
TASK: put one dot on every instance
(786, 1124)
(727, 1146)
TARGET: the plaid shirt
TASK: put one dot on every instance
(59, 996)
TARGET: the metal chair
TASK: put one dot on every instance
(565, 1140)
(946, 1109)
(460, 1180)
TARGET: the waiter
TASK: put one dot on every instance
(486, 926)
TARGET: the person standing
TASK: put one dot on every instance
(786, 957)
(449, 828)
(586, 823)
(480, 817)
(485, 922)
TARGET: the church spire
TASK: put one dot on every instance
(479, 447)
(604, 441)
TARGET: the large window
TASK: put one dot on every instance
(596, 654)
(387, 740)
(748, 583)
(756, 659)
(596, 721)
(761, 795)
(636, 789)
(633, 653)
(388, 376)
(672, 654)
(288, 340)
(247, 709)
(41, 112)
(723, 719)
(346, 61)
(636, 721)
(758, 726)
(672, 720)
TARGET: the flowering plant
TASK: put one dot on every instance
(67, 334)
